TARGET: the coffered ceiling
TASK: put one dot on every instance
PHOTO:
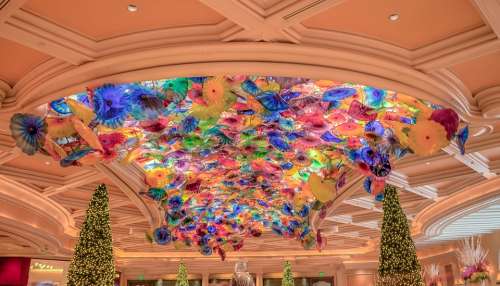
(446, 51)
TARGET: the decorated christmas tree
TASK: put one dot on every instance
(182, 276)
(92, 263)
(287, 275)
(398, 263)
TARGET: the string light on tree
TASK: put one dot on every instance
(182, 276)
(287, 275)
(92, 263)
(398, 263)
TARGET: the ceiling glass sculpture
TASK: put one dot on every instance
(229, 157)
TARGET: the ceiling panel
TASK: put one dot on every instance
(420, 23)
(107, 19)
(479, 73)
(17, 60)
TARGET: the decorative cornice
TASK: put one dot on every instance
(56, 79)
(489, 102)
(452, 206)
(5, 91)
(491, 12)
(130, 180)
(34, 200)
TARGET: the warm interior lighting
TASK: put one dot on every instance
(132, 8)
(394, 17)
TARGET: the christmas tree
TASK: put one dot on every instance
(287, 275)
(182, 276)
(398, 263)
(92, 263)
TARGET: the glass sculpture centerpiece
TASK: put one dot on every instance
(231, 156)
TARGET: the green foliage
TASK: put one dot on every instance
(287, 275)
(182, 276)
(398, 263)
(92, 263)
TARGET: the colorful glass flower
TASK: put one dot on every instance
(111, 105)
(28, 131)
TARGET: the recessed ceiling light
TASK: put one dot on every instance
(132, 8)
(394, 17)
(427, 163)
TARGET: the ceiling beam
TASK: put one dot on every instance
(476, 161)
(490, 10)
(366, 202)
(80, 179)
(347, 219)
(6, 157)
(254, 26)
(400, 180)
(39, 34)
(9, 8)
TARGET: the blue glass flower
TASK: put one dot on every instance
(162, 235)
(175, 202)
(74, 156)
(145, 102)
(28, 131)
(206, 250)
(374, 97)
(111, 105)
(369, 156)
(60, 106)
(336, 94)
(189, 124)
(375, 128)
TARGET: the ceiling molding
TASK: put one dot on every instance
(5, 91)
(447, 208)
(9, 7)
(460, 56)
(489, 101)
(82, 178)
(34, 32)
(490, 10)
(130, 181)
(453, 49)
(260, 58)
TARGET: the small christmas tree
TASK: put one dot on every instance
(287, 275)
(398, 263)
(92, 263)
(182, 276)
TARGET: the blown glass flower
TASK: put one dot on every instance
(111, 105)
(146, 104)
(28, 131)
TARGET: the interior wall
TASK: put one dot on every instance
(361, 277)
(442, 261)
(492, 243)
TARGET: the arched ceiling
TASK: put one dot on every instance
(447, 52)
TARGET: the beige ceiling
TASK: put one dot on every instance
(420, 23)
(479, 73)
(102, 20)
(17, 60)
(447, 50)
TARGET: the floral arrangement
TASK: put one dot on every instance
(473, 258)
